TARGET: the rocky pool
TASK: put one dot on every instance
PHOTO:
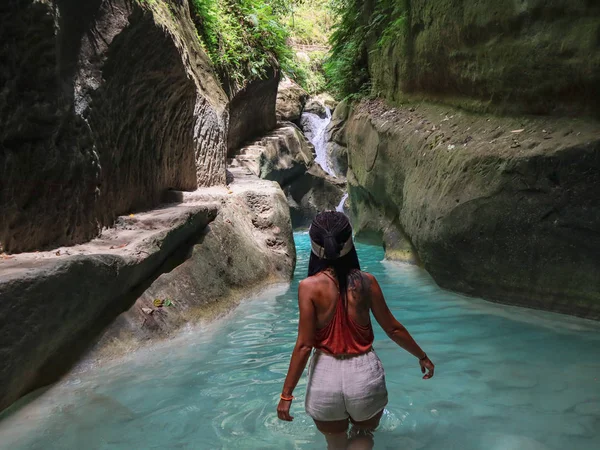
(506, 378)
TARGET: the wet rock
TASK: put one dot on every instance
(336, 146)
(316, 106)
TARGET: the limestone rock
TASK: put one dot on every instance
(510, 217)
(53, 305)
(154, 272)
(291, 99)
(105, 106)
(287, 157)
(252, 110)
(336, 146)
(316, 106)
(248, 245)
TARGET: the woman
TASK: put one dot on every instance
(346, 381)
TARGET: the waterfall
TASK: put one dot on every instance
(315, 131)
(340, 207)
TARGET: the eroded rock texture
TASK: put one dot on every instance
(252, 110)
(291, 99)
(533, 56)
(105, 105)
(503, 208)
(286, 156)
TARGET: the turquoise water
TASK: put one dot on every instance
(506, 378)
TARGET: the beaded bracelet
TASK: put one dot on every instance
(287, 399)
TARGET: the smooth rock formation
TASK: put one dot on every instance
(252, 110)
(291, 99)
(503, 208)
(198, 256)
(530, 56)
(287, 157)
(105, 106)
(248, 245)
(54, 301)
(316, 106)
(336, 145)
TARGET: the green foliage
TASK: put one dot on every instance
(310, 22)
(356, 29)
(309, 72)
(243, 38)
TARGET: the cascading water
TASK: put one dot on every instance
(340, 207)
(314, 129)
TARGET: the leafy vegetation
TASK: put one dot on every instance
(244, 38)
(357, 29)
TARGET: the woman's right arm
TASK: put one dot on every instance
(394, 329)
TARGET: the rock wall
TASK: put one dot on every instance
(531, 56)
(105, 106)
(503, 208)
(252, 110)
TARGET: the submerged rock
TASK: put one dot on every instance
(291, 99)
(503, 208)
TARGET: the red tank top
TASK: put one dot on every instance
(342, 335)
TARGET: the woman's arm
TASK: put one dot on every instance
(301, 352)
(394, 329)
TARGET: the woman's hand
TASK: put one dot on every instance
(283, 410)
(426, 365)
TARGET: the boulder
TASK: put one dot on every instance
(507, 209)
(316, 106)
(287, 157)
(291, 99)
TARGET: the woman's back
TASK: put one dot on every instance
(326, 295)
(343, 325)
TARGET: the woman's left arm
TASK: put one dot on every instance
(301, 353)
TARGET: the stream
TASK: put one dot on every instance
(506, 378)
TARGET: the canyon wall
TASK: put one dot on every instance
(509, 56)
(480, 159)
(105, 106)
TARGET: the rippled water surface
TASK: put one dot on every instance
(506, 378)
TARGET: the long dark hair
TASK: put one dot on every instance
(331, 230)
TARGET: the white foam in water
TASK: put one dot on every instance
(501, 383)
(340, 207)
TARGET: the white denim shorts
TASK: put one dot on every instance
(346, 387)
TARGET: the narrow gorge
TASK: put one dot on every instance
(157, 169)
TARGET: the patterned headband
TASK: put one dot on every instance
(319, 251)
